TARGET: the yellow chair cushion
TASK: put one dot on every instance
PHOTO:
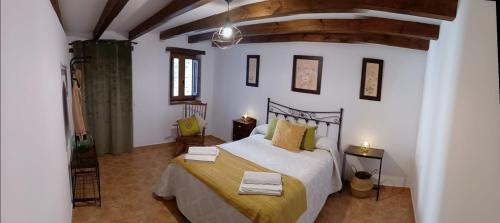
(288, 135)
(189, 126)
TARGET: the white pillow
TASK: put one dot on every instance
(324, 143)
(261, 129)
(201, 122)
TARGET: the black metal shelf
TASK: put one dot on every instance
(85, 178)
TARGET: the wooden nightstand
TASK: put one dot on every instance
(243, 128)
(370, 153)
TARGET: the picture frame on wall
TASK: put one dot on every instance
(253, 66)
(371, 79)
(306, 75)
(65, 94)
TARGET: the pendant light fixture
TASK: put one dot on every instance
(228, 35)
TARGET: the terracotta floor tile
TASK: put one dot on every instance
(127, 180)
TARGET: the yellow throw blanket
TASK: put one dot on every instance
(224, 178)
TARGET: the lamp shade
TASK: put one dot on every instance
(227, 36)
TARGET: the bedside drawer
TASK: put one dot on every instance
(238, 126)
(242, 129)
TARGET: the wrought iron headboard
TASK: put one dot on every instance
(326, 118)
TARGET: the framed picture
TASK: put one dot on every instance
(371, 79)
(65, 94)
(306, 76)
(253, 63)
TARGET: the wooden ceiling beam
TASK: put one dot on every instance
(400, 28)
(174, 9)
(437, 9)
(397, 41)
(109, 13)
(260, 10)
(57, 9)
(365, 25)
(434, 9)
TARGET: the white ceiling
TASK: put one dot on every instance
(80, 16)
(135, 12)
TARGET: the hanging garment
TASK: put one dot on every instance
(78, 121)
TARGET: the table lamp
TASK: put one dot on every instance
(365, 147)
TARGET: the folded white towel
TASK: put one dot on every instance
(198, 150)
(205, 158)
(270, 193)
(245, 186)
(250, 177)
(259, 189)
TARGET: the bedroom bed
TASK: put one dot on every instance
(318, 170)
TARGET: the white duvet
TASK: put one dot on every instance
(318, 171)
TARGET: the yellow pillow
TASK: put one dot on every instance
(288, 135)
(309, 138)
(189, 126)
(270, 128)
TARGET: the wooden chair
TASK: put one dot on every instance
(190, 109)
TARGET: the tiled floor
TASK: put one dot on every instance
(126, 182)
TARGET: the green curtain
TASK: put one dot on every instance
(107, 93)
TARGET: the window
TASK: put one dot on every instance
(184, 77)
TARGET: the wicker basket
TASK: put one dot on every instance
(361, 184)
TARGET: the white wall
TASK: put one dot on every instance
(435, 122)
(34, 162)
(153, 116)
(458, 156)
(390, 124)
